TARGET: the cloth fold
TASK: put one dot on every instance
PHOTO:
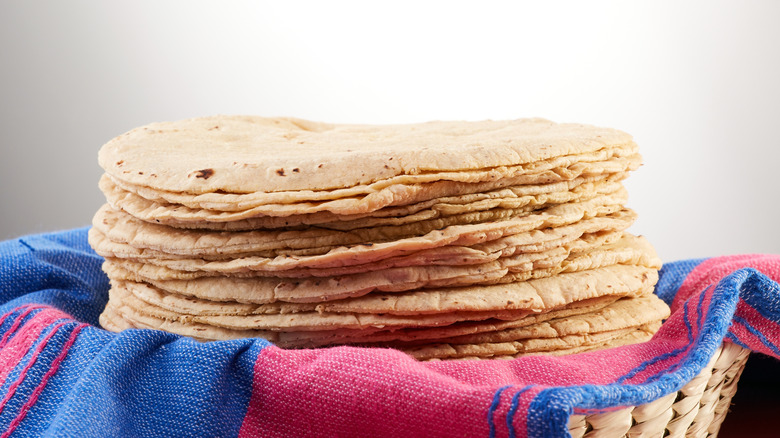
(62, 375)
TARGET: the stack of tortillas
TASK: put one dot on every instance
(443, 239)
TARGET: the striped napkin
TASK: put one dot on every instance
(62, 375)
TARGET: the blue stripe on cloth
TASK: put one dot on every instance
(642, 366)
(733, 338)
(168, 384)
(493, 406)
(510, 416)
(699, 321)
(550, 409)
(700, 308)
(58, 269)
(763, 294)
(26, 245)
(767, 343)
(672, 276)
(139, 383)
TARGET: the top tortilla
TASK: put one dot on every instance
(247, 154)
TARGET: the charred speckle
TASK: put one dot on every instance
(296, 170)
(204, 173)
(390, 159)
(386, 166)
(214, 127)
(120, 162)
(317, 283)
(140, 173)
(368, 244)
(280, 172)
(300, 142)
(509, 303)
(319, 167)
(154, 175)
(384, 298)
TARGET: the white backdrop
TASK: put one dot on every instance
(695, 82)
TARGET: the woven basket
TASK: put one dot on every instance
(696, 410)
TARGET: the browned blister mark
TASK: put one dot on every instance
(204, 173)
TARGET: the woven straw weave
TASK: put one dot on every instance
(697, 410)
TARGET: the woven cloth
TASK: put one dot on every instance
(62, 375)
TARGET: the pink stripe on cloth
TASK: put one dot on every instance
(346, 391)
(754, 330)
(710, 271)
(746, 337)
(19, 340)
(17, 322)
(42, 384)
(515, 418)
(13, 327)
(30, 363)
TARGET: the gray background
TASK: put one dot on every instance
(695, 82)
